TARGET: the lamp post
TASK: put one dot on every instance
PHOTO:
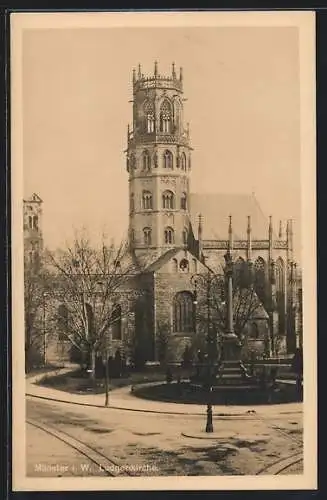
(44, 295)
(211, 338)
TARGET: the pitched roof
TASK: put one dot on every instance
(158, 263)
(215, 209)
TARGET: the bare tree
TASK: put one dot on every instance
(212, 304)
(91, 283)
(36, 285)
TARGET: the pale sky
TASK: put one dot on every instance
(243, 103)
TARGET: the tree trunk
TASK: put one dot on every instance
(92, 363)
(106, 403)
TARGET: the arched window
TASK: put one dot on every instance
(240, 272)
(280, 278)
(183, 313)
(146, 160)
(168, 159)
(149, 116)
(147, 236)
(165, 117)
(185, 236)
(182, 161)
(169, 235)
(131, 202)
(260, 275)
(62, 322)
(168, 199)
(132, 233)
(183, 201)
(115, 322)
(184, 266)
(195, 270)
(30, 222)
(174, 264)
(146, 200)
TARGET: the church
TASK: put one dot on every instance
(176, 234)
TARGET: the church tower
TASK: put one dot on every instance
(159, 164)
(33, 238)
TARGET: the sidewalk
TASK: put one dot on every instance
(123, 399)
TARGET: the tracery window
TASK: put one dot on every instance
(168, 159)
(260, 276)
(184, 265)
(169, 235)
(146, 160)
(165, 117)
(183, 313)
(168, 200)
(147, 200)
(147, 236)
(149, 116)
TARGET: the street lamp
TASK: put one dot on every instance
(44, 295)
(207, 280)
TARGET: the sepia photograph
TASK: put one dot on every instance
(163, 251)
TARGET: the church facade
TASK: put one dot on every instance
(176, 235)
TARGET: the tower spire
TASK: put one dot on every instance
(181, 74)
(155, 68)
(134, 75)
(249, 241)
(173, 72)
(270, 237)
(230, 234)
(280, 231)
(139, 72)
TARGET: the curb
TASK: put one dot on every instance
(248, 415)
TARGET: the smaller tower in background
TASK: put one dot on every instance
(33, 238)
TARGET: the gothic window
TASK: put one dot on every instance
(260, 273)
(168, 200)
(35, 222)
(132, 235)
(185, 236)
(195, 266)
(149, 116)
(169, 235)
(165, 117)
(174, 265)
(182, 161)
(239, 272)
(146, 161)
(168, 159)
(131, 202)
(183, 201)
(184, 265)
(62, 322)
(147, 236)
(189, 162)
(147, 200)
(30, 222)
(115, 322)
(183, 313)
